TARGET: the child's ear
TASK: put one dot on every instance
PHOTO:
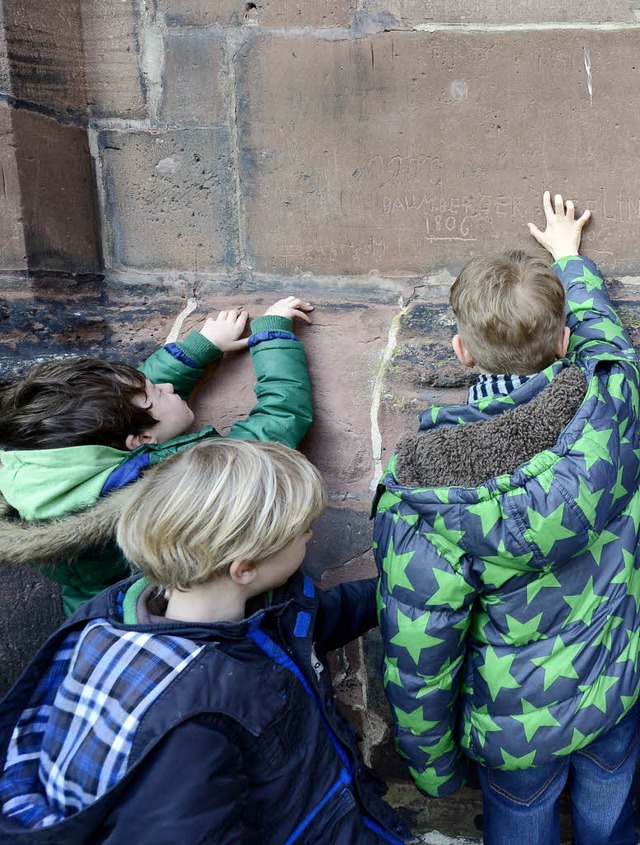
(563, 343)
(132, 441)
(243, 572)
(461, 352)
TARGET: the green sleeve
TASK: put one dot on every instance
(181, 364)
(283, 411)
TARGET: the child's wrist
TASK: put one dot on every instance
(199, 348)
(271, 323)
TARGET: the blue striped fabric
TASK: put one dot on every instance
(489, 384)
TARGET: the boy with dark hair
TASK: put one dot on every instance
(73, 431)
(506, 534)
(193, 704)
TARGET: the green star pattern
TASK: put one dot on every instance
(394, 566)
(533, 718)
(523, 632)
(546, 530)
(495, 671)
(412, 635)
(595, 694)
(593, 445)
(558, 664)
(583, 605)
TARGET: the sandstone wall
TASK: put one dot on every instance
(163, 158)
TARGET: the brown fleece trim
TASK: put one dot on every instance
(468, 455)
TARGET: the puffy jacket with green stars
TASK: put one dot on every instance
(506, 536)
(46, 483)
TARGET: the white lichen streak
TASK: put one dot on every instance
(376, 437)
(587, 67)
(192, 304)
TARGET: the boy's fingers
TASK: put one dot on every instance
(586, 215)
(301, 314)
(546, 204)
(537, 234)
(559, 204)
(570, 210)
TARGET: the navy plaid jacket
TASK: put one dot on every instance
(191, 733)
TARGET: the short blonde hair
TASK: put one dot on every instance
(510, 311)
(221, 500)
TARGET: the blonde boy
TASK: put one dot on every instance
(192, 704)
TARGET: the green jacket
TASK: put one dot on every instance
(41, 484)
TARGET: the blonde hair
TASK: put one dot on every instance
(510, 311)
(221, 500)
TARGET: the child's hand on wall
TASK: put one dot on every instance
(563, 233)
(291, 307)
(226, 329)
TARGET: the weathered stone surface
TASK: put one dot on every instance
(57, 194)
(169, 200)
(111, 38)
(12, 247)
(5, 70)
(265, 13)
(44, 42)
(344, 347)
(408, 152)
(417, 12)
(30, 610)
(193, 81)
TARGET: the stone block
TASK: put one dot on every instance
(44, 42)
(169, 200)
(264, 13)
(30, 610)
(111, 57)
(408, 152)
(12, 246)
(417, 12)
(344, 348)
(193, 80)
(57, 194)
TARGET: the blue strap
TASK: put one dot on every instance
(274, 651)
(270, 335)
(343, 780)
(174, 350)
(308, 590)
(303, 621)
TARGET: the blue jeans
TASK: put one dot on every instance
(521, 807)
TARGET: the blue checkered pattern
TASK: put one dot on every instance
(73, 742)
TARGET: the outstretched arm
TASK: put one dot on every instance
(182, 363)
(283, 412)
(345, 612)
(596, 329)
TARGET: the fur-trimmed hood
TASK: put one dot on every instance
(62, 539)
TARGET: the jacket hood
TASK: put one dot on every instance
(63, 539)
(525, 474)
(44, 483)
